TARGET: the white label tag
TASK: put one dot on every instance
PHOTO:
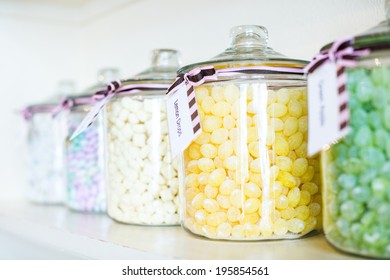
(180, 123)
(324, 108)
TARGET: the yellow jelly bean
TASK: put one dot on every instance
(209, 231)
(255, 165)
(295, 108)
(224, 230)
(208, 150)
(303, 124)
(251, 218)
(303, 212)
(294, 196)
(276, 124)
(277, 110)
(308, 176)
(281, 146)
(217, 177)
(200, 216)
(251, 205)
(252, 190)
(221, 109)
(254, 149)
(194, 151)
(215, 219)
(192, 181)
(207, 104)
(288, 213)
(203, 138)
(201, 93)
(290, 126)
(280, 227)
(229, 122)
(206, 165)
(231, 163)
(305, 198)
(210, 192)
(287, 179)
(236, 198)
(310, 187)
(203, 178)
(223, 201)
(192, 166)
(220, 135)
(300, 167)
(211, 205)
(284, 163)
(218, 162)
(197, 201)
(253, 134)
(227, 187)
(301, 151)
(232, 93)
(282, 202)
(225, 150)
(217, 93)
(283, 96)
(295, 225)
(211, 123)
(315, 209)
(295, 140)
(233, 214)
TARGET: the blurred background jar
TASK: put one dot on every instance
(356, 170)
(45, 149)
(247, 175)
(84, 154)
(141, 175)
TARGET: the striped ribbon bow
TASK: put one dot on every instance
(104, 96)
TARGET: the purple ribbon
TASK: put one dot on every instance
(29, 111)
(341, 52)
(104, 96)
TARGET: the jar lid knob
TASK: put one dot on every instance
(248, 36)
(165, 58)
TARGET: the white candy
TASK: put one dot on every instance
(46, 158)
(138, 154)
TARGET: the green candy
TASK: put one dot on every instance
(357, 169)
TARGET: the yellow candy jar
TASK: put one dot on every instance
(247, 175)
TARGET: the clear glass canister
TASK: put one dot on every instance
(142, 178)
(45, 161)
(84, 160)
(356, 170)
(247, 176)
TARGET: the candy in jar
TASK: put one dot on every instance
(247, 175)
(86, 190)
(142, 177)
(45, 160)
(356, 170)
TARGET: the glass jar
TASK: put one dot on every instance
(356, 170)
(45, 158)
(142, 178)
(84, 156)
(247, 175)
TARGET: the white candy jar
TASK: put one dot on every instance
(84, 159)
(141, 176)
(247, 175)
(45, 161)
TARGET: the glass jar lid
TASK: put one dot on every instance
(104, 76)
(248, 47)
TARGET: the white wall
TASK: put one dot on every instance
(35, 54)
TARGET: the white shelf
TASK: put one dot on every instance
(98, 237)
